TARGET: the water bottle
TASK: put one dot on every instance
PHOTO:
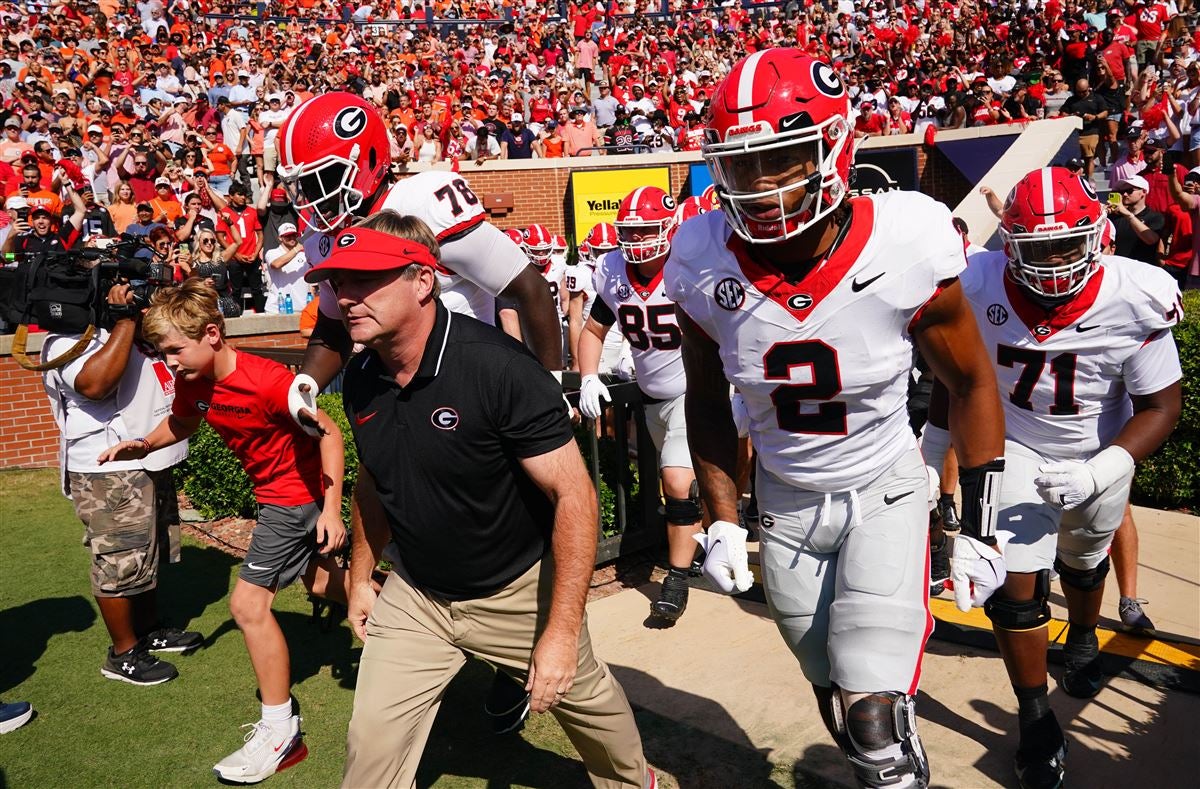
(288, 309)
(308, 298)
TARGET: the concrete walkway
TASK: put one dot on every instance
(722, 680)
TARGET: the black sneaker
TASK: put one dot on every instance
(172, 639)
(939, 566)
(1082, 678)
(138, 667)
(949, 510)
(1041, 759)
(672, 600)
(507, 704)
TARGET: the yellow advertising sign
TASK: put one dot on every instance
(598, 193)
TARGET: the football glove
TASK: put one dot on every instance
(1069, 483)
(591, 392)
(298, 400)
(976, 570)
(726, 563)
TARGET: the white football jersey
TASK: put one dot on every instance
(555, 274)
(478, 261)
(823, 363)
(646, 318)
(1065, 374)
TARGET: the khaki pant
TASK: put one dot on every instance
(415, 646)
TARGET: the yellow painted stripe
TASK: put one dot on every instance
(1151, 650)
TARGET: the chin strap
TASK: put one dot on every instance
(20, 340)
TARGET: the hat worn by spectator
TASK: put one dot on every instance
(94, 129)
(1135, 181)
(243, 73)
(517, 118)
(1193, 174)
(162, 182)
(288, 229)
(278, 195)
(16, 201)
(13, 122)
(144, 207)
(364, 250)
(41, 209)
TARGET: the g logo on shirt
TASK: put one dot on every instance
(444, 418)
(202, 406)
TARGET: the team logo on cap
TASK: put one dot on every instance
(800, 301)
(445, 418)
(997, 315)
(729, 294)
(350, 122)
(346, 240)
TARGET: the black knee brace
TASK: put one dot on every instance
(875, 723)
(1018, 615)
(1083, 580)
(685, 512)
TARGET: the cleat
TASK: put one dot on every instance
(1133, 618)
(672, 600)
(137, 667)
(1042, 765)
(949, 511)
(1083, 677)
(14, 715)
(939, 567)
(270, 747)
(172, 639)
(696, 569)
(507, 704)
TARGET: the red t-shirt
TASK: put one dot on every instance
(248, 409)
(1151, 21)
(246, 222)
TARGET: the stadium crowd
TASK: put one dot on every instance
(123, 117)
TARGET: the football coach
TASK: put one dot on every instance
(469, 465)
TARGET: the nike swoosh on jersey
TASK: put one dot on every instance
(254, 566)
(1081, 327)
(889, 500)
(856, 286)
(362, 420)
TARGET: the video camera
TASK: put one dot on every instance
(66, 292)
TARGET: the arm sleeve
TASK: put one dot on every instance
(1154, 366)
(602, 313)
(485, 256)
(531, 415)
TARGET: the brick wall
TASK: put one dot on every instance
(28, 434)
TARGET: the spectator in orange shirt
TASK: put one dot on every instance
(550, 145)
(31, 189)
(165, 204)
(580, 134)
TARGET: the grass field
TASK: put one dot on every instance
(90, 731)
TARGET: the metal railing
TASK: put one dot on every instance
(610, 150)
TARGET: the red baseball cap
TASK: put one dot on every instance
(360, 249)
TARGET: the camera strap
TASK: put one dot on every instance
(20, 340)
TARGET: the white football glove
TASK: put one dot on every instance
(741, 414)
(625, 369)
(726, 563)
(977, 570)
(1069, 483)
(591, 392)
(298, 400)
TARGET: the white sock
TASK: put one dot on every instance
(277, 713)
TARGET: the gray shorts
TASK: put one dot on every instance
(846, 577)
(284, 541)
(1038, 532)
(668, 430)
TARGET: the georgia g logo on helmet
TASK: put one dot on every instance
(826, 80)
(350, 122)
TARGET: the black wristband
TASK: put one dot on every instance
(981, 499)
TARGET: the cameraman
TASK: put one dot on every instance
(37, 235)
(114, 391)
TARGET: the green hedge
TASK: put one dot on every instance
(1171, 476)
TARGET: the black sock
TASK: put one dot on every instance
(1033, 705)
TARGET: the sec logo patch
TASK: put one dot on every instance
(997, 314)
(729, 294)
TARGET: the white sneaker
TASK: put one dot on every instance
(270, 747)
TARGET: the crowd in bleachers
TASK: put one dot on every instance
(131, 115)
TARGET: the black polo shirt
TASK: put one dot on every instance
(444, 452)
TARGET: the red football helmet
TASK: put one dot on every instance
(709, 198)
(334, 153)
(539, 243)
(516, 236)
(691, 207)
(645, 222)
(558, 244)
(778, 124)
(602, 239)
(585, 252)
(1052, 227)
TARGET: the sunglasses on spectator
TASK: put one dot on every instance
(142, 163)
(1129, 190)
